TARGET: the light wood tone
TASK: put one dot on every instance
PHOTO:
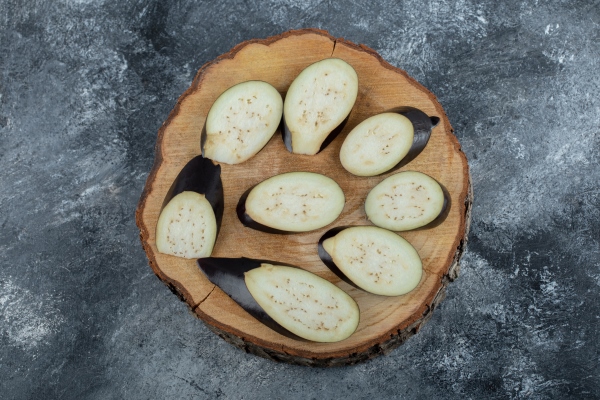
(385, 321)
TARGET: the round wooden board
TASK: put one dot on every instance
(385, 321)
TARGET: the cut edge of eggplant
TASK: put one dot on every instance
(286, 132)
(422, 125)
(327, 258)
(229, 274)
(204, 133)
(441, 217)
(249, 222)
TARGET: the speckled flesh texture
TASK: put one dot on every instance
(404, 201)
(377, 144)
(241, 121)
(318, 100)
(304, 303)
(187, 226)
(376, 260)
(295, 202)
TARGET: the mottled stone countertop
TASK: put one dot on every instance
(85, 86)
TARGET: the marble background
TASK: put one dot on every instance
(84, 87)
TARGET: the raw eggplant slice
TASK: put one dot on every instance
(192, 211)
(291, 202)
(304, 303)
(317, 102)
(289, 300)
(377, 144)
(406, 200)
(381, 142)
(374, 259)
(186, 227)
(241, 121)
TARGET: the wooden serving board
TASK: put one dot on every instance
(385, 322)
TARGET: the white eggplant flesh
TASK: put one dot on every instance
(295, 202)
(187, 226)
(318, 100)
(376, 260)
(303, 303)
(377, 144)
(241, 121)
(404, 201)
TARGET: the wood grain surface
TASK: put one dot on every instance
(385, 321)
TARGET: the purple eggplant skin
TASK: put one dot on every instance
(228, 274)
(247, 220)
(202, 176)
(203, 136)
(287, 135)
(326, 257)
(422, 125)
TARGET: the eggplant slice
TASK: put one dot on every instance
(405, 201)
(291, 202)
(241, 121)
(192, 211)
(318, 101)
(377, 144)
(289, 300)
(381, 142)
(374, 259)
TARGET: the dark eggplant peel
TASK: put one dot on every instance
(189, 221)
(383, 141)
(405, 201)
(289, 300)
(318, 101)
(241, 121)
(291, 202)
(374, 259)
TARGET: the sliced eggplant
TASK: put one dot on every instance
(290, 300)
(291, 202)
(377, 144)
(192, 211)
(318, 101)
(381, 142)
(241, 121)
(374, 259)
(187, 227)
(406, 200)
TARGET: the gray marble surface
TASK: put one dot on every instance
(84, 87)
